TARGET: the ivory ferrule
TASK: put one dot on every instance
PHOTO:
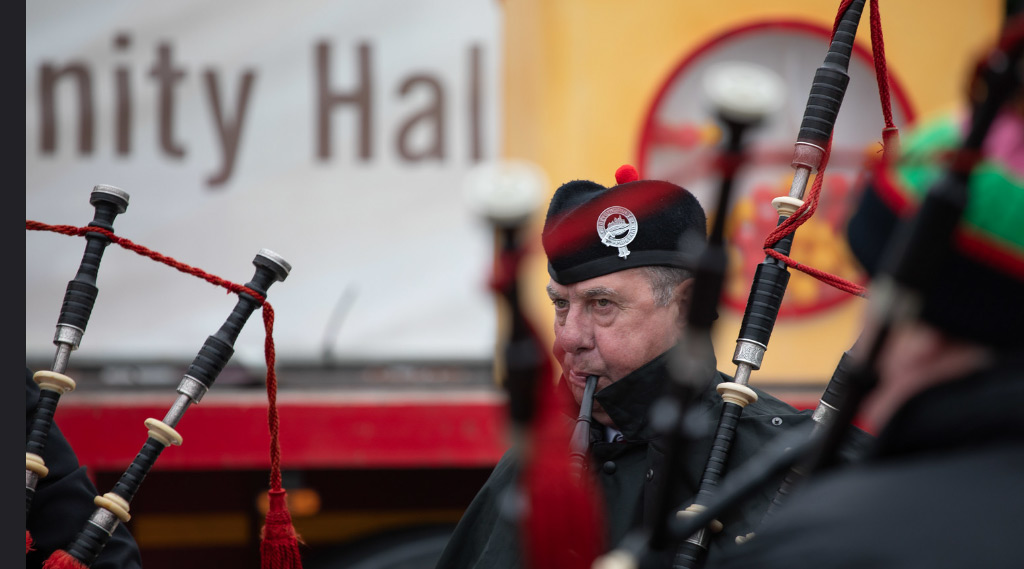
(114, 504)
(694, 509)
(735, 393)
(160, 431)
(786, 205)
(54, 381)
(35, 464)
(616, 559)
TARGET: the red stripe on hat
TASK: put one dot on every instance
(569, 231)
(972, 242)
(982, 248)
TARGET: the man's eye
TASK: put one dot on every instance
(560, 303)
(602, 302)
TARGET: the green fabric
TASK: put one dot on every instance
(995, 206)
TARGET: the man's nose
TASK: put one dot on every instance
(576, 334)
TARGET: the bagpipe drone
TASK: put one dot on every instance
(690, 525)
(279, 544)
(555, 491)
(914, 260)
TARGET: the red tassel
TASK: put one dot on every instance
(279, 548)
(28, 541)
(61, 559)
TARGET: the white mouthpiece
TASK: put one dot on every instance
(505, 192)
(743, 92)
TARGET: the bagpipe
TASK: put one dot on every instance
(683, 530)
(279, 544)
(914, 258)
(557, 517)
(771, 278)
(555, 491)
(76, 309)
(742, 96)
(550, 498)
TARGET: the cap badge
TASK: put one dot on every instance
(617, 227)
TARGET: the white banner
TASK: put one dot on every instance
(336, 134)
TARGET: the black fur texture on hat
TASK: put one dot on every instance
(643, 222)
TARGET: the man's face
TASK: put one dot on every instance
(609, 326)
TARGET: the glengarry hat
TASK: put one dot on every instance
(591, 230)
(979, 293)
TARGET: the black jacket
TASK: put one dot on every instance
(942, 488)
(628, 471)
(63, 502)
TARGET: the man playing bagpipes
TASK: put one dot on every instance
(620, 285)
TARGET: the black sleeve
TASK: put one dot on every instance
(485, 537)
(63, 502)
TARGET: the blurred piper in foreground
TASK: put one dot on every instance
(942, 485)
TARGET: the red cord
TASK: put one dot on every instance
(890, 134)
(268, 321)
(272, 417)
(839, 17)
(890, 146)
(213, 279)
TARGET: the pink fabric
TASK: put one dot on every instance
(1005, 141)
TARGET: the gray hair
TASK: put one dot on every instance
(664, 280)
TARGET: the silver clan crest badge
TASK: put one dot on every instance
(617, 227)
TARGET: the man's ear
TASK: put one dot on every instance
(683, 294)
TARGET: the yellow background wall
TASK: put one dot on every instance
(580, 75)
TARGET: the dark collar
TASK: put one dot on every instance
(628, 400)
(981, 408)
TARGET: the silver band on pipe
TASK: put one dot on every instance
(105, 520)
(749, 352)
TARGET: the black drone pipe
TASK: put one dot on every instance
(918, 248)
(916, 257)
(579, 443)
(772, 276)
(209, 362)
(692, 358)
(825, 414)
(75, 311)
(523, 356)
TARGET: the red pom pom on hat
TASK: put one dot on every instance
(626, 173)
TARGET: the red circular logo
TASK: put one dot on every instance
(679, 143)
